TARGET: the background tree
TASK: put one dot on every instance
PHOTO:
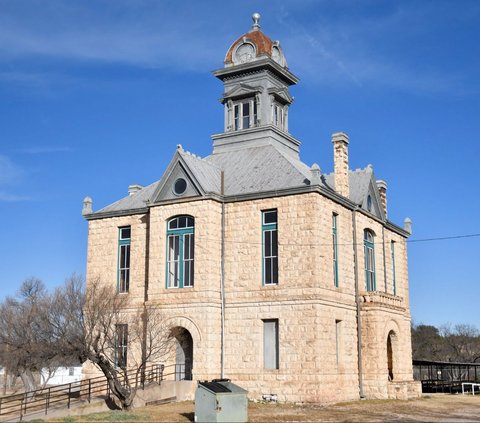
(427, 343)
(458, 343)
(25, 334)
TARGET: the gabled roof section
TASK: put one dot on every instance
(201, 176)
(362, 184)
(241, 90)
(281, 94)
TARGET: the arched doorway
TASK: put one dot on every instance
(391, 341)
(183, 353)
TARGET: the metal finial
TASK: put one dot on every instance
(256, 21)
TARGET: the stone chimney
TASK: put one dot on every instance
(87, 206)
(132, 189)
(382, 189)
(340, 163)
(407, 225)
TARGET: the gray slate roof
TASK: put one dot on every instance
(132, 202)
(260, 169)
(247, 171)
(359, 181)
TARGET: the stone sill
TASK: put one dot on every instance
(383, 299)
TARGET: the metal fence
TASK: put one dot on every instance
(445, 376)
(63, 396)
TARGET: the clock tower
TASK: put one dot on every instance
(256, 97)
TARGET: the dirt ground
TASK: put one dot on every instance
(434, 408)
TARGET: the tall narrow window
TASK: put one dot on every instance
(278, 117)
(246, 115)
(180, 252)
(123, 276)
(237, 116)
(338, 339)
(334, 250)
(121, 345)
(369, 260)
(270, 344)
(394, 279)
(270, 247)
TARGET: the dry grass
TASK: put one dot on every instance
(438, 408)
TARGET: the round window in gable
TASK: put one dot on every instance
(180, 186)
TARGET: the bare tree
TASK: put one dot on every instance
(41, 330)
(25, 333)
(462, 342)
(117, 336)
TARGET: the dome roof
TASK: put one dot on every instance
(254, 45)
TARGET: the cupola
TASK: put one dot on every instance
(256, 95)
(254, 45)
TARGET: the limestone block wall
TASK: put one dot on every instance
(305, 301)
(102, 255)
(308, 369)
(377, 324)
(197, 309)
(317, 321)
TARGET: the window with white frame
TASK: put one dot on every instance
(278, 115)
(270, 247)
(245, 113)
(123, 276)
(270, 344)
(180, 252)
(369, 260)
(121, 345)
(335, 250)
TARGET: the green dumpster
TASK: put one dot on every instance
(220, 401)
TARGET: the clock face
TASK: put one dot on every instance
(245, 53)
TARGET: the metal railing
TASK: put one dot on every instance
(62, 396)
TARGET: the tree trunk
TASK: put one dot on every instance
(28, 382)
(121, 391)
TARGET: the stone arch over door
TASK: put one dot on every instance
(186, 337)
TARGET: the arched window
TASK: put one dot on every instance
(369, 260)
(180, 252)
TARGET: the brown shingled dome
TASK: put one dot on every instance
(263, 45)
(253, 46)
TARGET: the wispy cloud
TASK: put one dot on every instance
(44, 150)
(12, 198)
(10, 175)
(345, 43)
(9, 172)
(379, 49)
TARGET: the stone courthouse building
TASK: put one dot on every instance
(282, 278)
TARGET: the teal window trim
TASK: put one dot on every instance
(335, 249)
(270, 247)
(180, 259)
(369, 261)
(124, 250)
(393, 269)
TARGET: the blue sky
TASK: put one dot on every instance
(95, 95)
